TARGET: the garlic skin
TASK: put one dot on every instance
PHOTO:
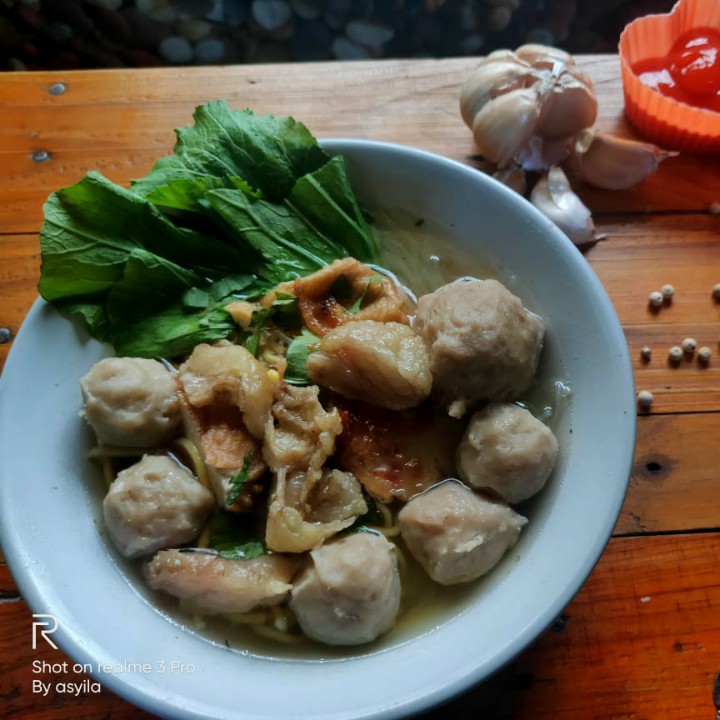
(535, 92)
(500, 76)
(542, 56)
(570, 106)
(553, 196)
(505, 125)
(613, 163)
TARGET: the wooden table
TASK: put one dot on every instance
(642, 638)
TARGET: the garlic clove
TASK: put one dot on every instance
(513, 177)
(553, 196)
(503, 126)
(504, 54)
(487, 82)
(543, 56)
(570, 107)
(539, 154)
(613, 163)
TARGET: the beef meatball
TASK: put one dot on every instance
(483, 344)
(350, 593)
(457, 535)
(156, 503)
(130, 402)
(507, 450)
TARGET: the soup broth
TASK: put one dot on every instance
(422, 260)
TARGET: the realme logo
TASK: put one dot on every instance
(45, 625)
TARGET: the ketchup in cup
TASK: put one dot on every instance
(690, 72)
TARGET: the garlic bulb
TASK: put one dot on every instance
(505, 125)
(611, 162)
(553, 196)
(536, 92)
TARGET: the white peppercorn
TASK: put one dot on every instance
(704, 355)
(655, 299)
(645, 399)
(667, 292)
(675, 354)
(716, 292)
(688, 345)
(646, 353)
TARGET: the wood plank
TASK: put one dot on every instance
(688, 386)
(640, 640)
(642, 634)
(674, 484)
(636, 258)
(325, 81)
(19, 274)
(642, 254)
(8, 588)
(120, 122)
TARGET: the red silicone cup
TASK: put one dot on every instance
(666, 121)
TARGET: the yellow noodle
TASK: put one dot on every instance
(192, 451)
(199, 620)
(390, 532)
(275, 634)
(283, 618)
(204, 540)
(254, 617)
(107, 470)
(387, 514)
(390, 527)
(270, 357)
(401, 560)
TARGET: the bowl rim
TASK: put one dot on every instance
(80, 650)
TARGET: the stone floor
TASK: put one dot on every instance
(66, 34)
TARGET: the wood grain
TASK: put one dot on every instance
(642, 629)
(641, 640)
(120, 122)
(674, 484)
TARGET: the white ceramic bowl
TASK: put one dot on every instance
(50, 497)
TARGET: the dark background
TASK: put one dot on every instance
(69, 34)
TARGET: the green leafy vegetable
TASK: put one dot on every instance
(357, 305)
(236, 537)
(365, 522)
(157, 324)
(222, 292)
(269, 153)
(237, 483)
(297, 358)
(289, 245)
(257, 324)
(326, 200)
(244, 203)
(283, 312)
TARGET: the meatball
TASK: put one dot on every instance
(131, 401)
(156, 503)
(483, 344)
(350, 593)
(215, 584)
(507, 450)
(457, 535)
(381, 363)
